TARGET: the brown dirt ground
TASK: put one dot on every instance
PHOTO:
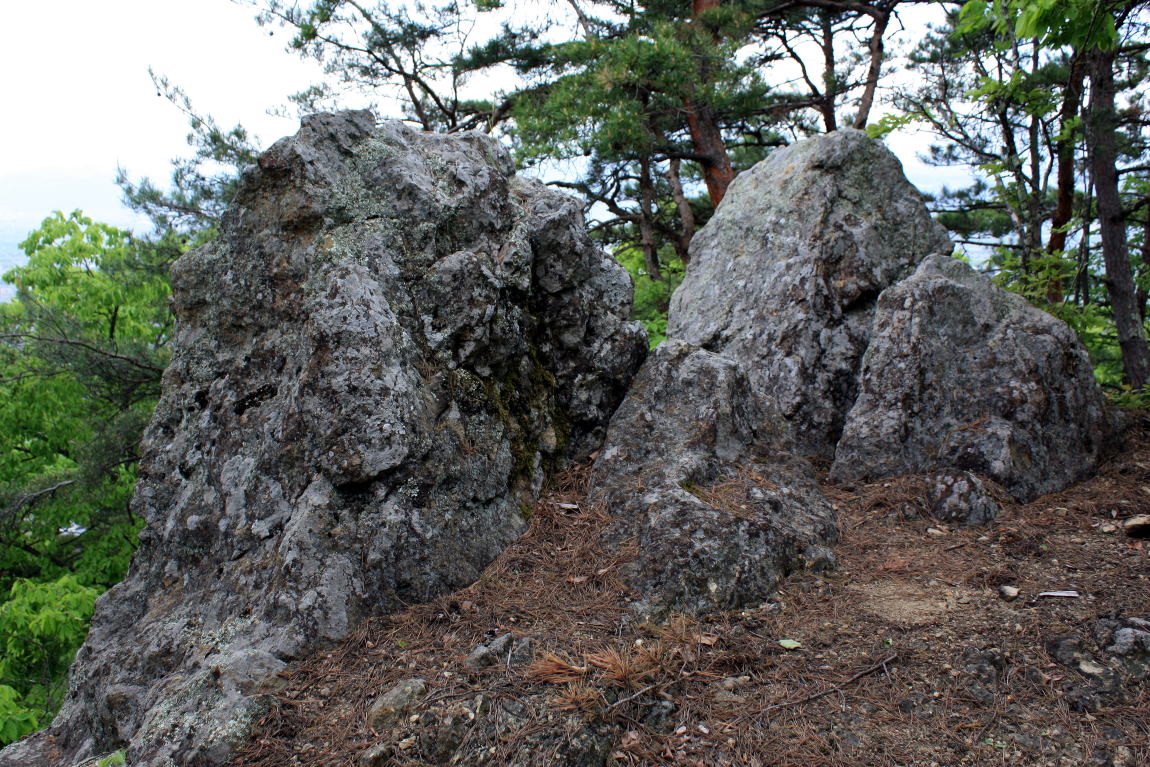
(909, 655)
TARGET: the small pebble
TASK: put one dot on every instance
(1137, 527)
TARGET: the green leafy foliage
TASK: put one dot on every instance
(652, 297)
(888, 124)
(41, 626)
(16, 719)
(1052, 23)
(82, 349)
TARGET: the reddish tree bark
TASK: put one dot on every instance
(881, 16)
(707, 140)
(706, 137)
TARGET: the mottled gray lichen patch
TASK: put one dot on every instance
(785, 275)
(386, 349)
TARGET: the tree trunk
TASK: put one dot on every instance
(881, 19)
(1064, 205)
(830, 75)
(686, 214)
(1101, 130)
(646, 212)
(1082, 277)
(706, 138)
(1142, 295)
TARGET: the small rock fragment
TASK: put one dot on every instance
(1130, 641)
(1090, 668)
(390, 707)
(1008, 592)
(505, 649)
(819, 559)
(375, 756)
(490, 654)
(962, 497)
(522, 651)
(1137, 527)
(734, 682)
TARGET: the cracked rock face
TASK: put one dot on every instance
(822, 315)
(961, 374)
(390, 344)
(714, 516)
(785, 275)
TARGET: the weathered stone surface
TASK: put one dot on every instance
(822, 315)
(505, 649)
(377, 361)
(713, 523)
(387, 709)
(959, 496)
(784, 277)
(962, 374)
(1110, 670)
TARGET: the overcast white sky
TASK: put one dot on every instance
(79, 102)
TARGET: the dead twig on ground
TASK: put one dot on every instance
(881, 665)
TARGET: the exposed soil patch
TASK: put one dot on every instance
(908, 654)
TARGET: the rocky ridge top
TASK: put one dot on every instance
(391, 344)
(395, 341)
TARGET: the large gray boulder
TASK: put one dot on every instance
(712, 517)
(821, 314)
(377, 362)
(785, 276)
(768, 330)
(961, 374)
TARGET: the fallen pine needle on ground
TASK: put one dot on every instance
(908, 654)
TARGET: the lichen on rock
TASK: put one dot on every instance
(822, 315)
(961, 374)
(785, 276)
(713, 516)
(390, 343)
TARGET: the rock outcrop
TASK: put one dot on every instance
(960, 496)
(394, 340)
(822, 315)
(961, 374)
(714, 517)
(785, 276)
(377, 362)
